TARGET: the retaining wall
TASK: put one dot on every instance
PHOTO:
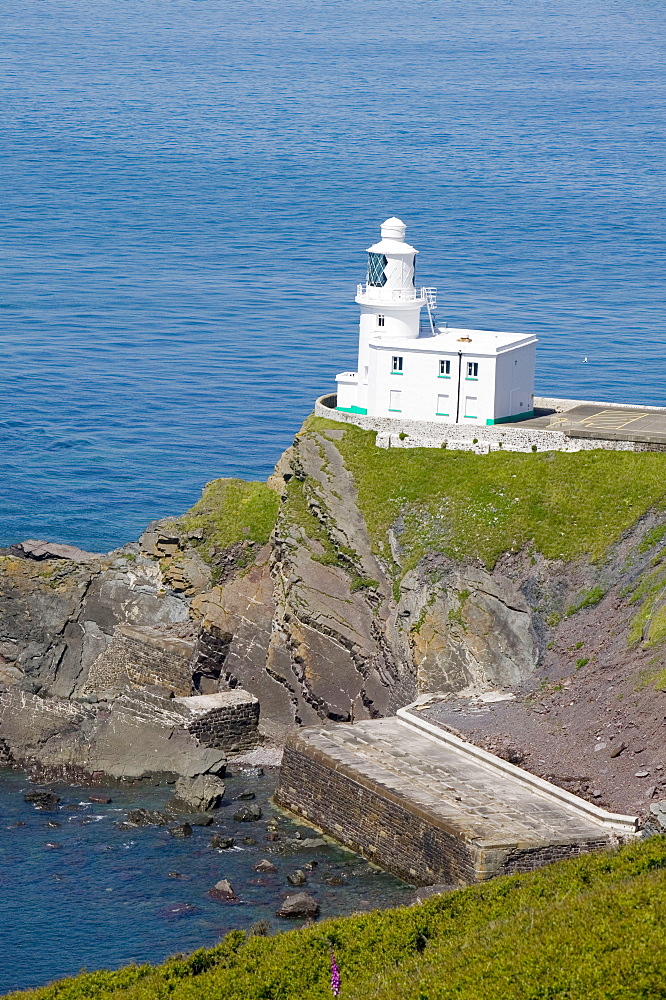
(227, 720)
(143, 655)
(399, 835)
(482, 439)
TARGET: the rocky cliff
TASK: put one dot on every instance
(352, 582)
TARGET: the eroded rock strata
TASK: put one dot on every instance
(289, 596)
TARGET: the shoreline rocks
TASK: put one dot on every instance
(222, 892)
(201, 793)
(299, 906)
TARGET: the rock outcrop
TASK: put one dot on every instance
(158, 655)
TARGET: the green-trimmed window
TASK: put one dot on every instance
(472, 369)
(444, 367)
(396, 365)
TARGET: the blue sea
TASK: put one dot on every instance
(187, 191)
(188, 188)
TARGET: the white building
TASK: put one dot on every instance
(409, 367)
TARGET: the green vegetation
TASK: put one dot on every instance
(652, 678)
(564, 505)
(583, 662)
(649, 624)
(300, 498)
(588, 600)
(230, 511)
(653, 538)
(363, 583)
(589, 929)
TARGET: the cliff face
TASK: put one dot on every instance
(332, 620)
(352, 582)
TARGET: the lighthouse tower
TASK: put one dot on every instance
(390, 307)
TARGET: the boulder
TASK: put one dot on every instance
(299, 906)
(297, 877)
(200, 793)
(38, 549)
(42, 800)
(245, 796)
(147, 817)
(221, 843)
(247, 814)
(199, 819)
(265, 866)
(104, 800)
(184, 830)
(222, 891)
(658, 810)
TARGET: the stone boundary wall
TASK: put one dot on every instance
(482, 439)
(395, 834)
(142, 655)
(227, 720)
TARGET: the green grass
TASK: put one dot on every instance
(649, 624)
(589, 929)
(231, 511)
(653, 537)
(587, 600)
(478, 506)
(652, 678)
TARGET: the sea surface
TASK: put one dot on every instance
(78, 890)
(187, 191)
(188, 188)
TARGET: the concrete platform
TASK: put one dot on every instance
(434, 809)
(603, 422)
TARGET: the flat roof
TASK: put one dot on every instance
(450, 340)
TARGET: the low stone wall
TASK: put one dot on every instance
(481, 440)
(227, 720)
(143, 655)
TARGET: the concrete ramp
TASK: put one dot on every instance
(431, 808)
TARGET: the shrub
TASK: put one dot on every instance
(589, 928)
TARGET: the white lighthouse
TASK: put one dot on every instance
(409, 367)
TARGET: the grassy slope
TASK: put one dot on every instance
(589, 929)
(230, 511)
(466, 505)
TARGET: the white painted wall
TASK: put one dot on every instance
(515, 381)
(422, 387)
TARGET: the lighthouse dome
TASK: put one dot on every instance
(393, 229)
